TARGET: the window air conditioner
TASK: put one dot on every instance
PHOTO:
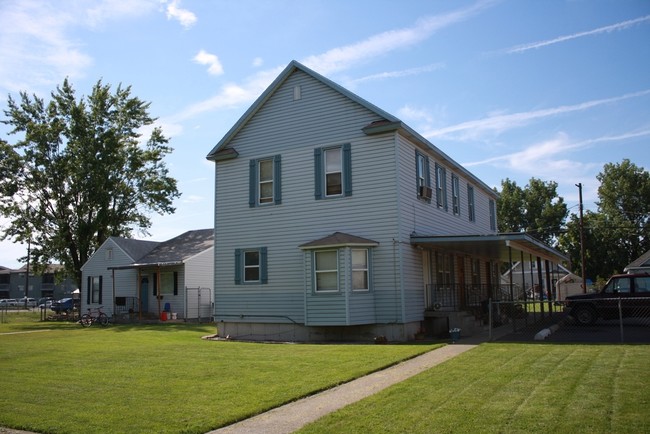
(425, 192)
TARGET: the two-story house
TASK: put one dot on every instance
(335, 220)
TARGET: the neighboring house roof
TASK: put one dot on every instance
(134, 248)
(339, 239)
(640, 263)
(386, 123)
(179, 249)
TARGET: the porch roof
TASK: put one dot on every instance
(493, 246)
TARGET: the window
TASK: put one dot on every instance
(332, 172)
(444, 264)
(493, 216)
(94, 289)
(251, 266)
(169, 282)
(109, 254)
(422, 180)
(476, 272)
(360, 270)
(265, 181)
(455, 192)
(441, 187)
(470, 203)
(326, 271)
(642, 284)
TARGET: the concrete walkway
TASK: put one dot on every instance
(295, 415)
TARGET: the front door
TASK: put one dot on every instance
(144, 294)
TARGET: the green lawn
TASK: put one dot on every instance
(62, 378)
(512, 388)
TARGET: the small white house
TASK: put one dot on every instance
(139, 280)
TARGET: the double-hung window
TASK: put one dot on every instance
(455, 194)
(251, 266)
(441, 187)
(326, 271)
(332, 172)
(493, 215)
(422, 179)
(265, 177)
(360, 270)
(94, 289)
(470, 203)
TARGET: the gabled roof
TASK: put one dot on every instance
(385, 123)
(642, 261)
(134, 248)
(339, 239)
(179, 249)
(286, 73)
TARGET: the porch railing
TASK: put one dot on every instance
(125, 306)
(456, 297)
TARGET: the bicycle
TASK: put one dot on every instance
(87, 319)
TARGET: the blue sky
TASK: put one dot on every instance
(511, 89)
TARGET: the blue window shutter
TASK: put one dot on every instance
(417, 164)
(438, 186)
(264, 275)
(318, 173)
(175, 283)
(155, 283)
(100, 290)
(238, 270)
(252, 183)
(90, 282)
(277, 179)
(347, 169)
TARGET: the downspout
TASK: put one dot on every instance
(113, 284)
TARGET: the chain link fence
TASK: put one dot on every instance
(607, 320)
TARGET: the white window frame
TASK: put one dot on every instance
(455, 194)
(262, 182)
(166, 283)
(246, 267)
(324, 271)
(95, 290)
(339, 151)
(365, 270)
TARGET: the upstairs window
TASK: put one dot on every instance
(493, 216)
(265, 181)
(422, 179)
(470, 203)
(332, 172)
(455, 194)
(441, 187)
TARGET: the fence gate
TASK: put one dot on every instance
(198, 304)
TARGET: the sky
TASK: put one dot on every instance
(514, 89)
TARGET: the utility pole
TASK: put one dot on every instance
(582, 242)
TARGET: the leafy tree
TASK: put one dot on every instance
(80, 173)
(535, 209)
(619, 232)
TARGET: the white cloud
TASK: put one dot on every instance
(183, 16)
(399, 73)
(205, 58)
(341, 58)
(500, 123)
(336, 59)
(606, 29)
(545, 158)
(257, 62)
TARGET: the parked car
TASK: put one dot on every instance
(45, 302)
(65, 305)
(31, 302)
(626, 295)
(8, 302)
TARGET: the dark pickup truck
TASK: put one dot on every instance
(624, 295)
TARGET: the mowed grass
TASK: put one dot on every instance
(62, 378)
(512, 388)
